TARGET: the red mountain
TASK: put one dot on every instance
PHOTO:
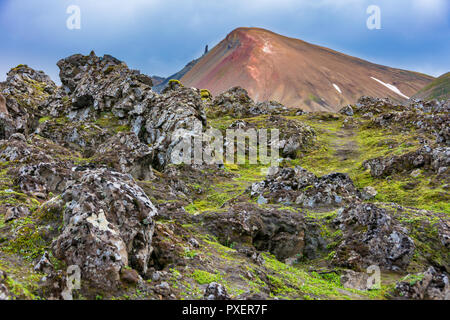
(297, 73)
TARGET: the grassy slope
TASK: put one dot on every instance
(438, 89)
(214, 261)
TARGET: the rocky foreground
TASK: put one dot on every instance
(87, 184)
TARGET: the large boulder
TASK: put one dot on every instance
(102, 84)
(24, 94)
(163, 121)
(429, 285)
(371, 237)
(284, 233)
(299, 186)
(125, 153)
(435, 159)
(216, 291)
(108, 225)
(237, 103)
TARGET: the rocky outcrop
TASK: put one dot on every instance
(108, 225)
(102, 84)
(431, 118)
(216, 291)
(430, 285)
(125, 153)
(284, 233)
(25, 93)
(437, 160)
(299, 186)
(295, 137)
(237, 103)
(354, 280)
(371, 237)
(166, 119)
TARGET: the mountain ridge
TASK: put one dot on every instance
(296, 73)
(437, 89)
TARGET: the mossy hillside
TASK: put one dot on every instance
(423, 228)
(368, 143)
(214, 262)
(220, 192)
(437, 89)
(22, 281)
(105, 120)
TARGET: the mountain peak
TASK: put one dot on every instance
(296, 73)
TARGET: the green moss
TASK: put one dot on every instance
(205, 94)
(110, 69)
(27, 240)
(312, 97)
(190, 253)
(107, 120)
(44, 119)
(175, 81)
(369, 143)
(412, 279)
(204, 277)
(18, 290)
(289, 279)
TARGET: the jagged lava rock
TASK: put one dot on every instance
(371, 237)
(108, 225)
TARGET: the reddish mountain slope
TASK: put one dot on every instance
(297, 73)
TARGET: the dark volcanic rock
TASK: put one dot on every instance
(295, 137)
(282, 232)
(237, 103)
(98, 86)
(216, 291)
(163, 121)
(104, 84)
(371, 237)
(127, 154)
(40, 166)
(299, 186)
(108, 225)
(429, 118)
(437, 159)
(430, 285)
(25, 93)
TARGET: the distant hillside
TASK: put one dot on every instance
(157, 80)
(296, 73)
(438, 89)
(158, 87)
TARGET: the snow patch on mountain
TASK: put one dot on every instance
(391, 87)
(267, 47)
(337, 88)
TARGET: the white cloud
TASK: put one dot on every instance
(431, 11)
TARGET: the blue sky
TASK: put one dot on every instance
(161, 36)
